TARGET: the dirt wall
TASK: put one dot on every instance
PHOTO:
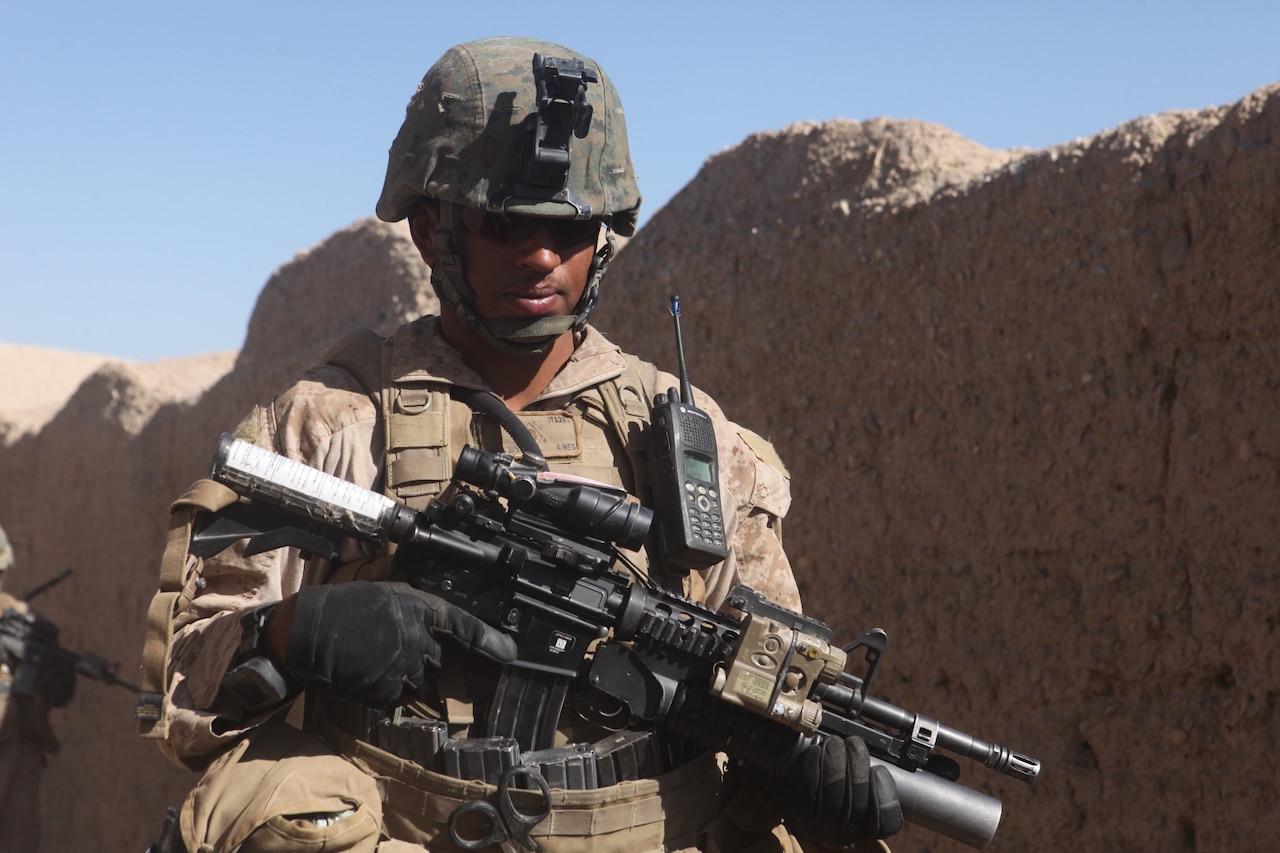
(1031, 420)
(91, 489)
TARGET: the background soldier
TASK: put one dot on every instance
(513, 171)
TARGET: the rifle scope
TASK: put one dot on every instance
(575, 504)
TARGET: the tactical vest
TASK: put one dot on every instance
(601, 436)
(600, 433)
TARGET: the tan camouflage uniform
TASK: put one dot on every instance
(327, 420)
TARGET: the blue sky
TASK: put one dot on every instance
(161, 159)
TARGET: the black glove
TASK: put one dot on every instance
(832, 794)
(375, 641)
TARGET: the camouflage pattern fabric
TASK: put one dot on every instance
(464, 131)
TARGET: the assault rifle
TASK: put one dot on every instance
(534, 554)
(29, 646)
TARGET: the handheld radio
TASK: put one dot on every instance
(685, 474)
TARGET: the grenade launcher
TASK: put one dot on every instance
(536, 555)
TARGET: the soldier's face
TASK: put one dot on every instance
(523, 267)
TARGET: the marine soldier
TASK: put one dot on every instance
(513, 171)
(26, 737)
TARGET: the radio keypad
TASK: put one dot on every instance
(704, 516)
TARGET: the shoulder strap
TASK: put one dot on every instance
(626, 403)
(178, 578)
(415, 417)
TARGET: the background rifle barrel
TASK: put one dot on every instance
(47, 585)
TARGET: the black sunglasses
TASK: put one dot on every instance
(513, 228)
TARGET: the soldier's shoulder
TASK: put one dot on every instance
(757, 475)
(764, 450)
(324, 401)
(325, 389)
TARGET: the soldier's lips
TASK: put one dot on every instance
(533, 303)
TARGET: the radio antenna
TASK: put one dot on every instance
(686, 390)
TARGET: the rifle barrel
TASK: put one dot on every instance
(846, 696)
(47, 585)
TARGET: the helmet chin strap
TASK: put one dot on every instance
(523, 337)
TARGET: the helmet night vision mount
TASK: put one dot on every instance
(563, 113)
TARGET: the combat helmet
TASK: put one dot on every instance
(519, 126)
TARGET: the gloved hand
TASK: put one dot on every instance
(832, 794)
(377, 641)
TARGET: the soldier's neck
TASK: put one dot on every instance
(518, 378)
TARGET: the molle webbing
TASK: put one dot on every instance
(420, 424)
(626, 405)
(415, 416)
(424, 433)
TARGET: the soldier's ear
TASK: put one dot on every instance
(422, 227)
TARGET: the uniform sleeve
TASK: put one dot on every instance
(326, 422)
(757, 489)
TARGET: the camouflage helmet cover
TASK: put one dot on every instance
(463, 133)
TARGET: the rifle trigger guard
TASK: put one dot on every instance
(874, 641)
